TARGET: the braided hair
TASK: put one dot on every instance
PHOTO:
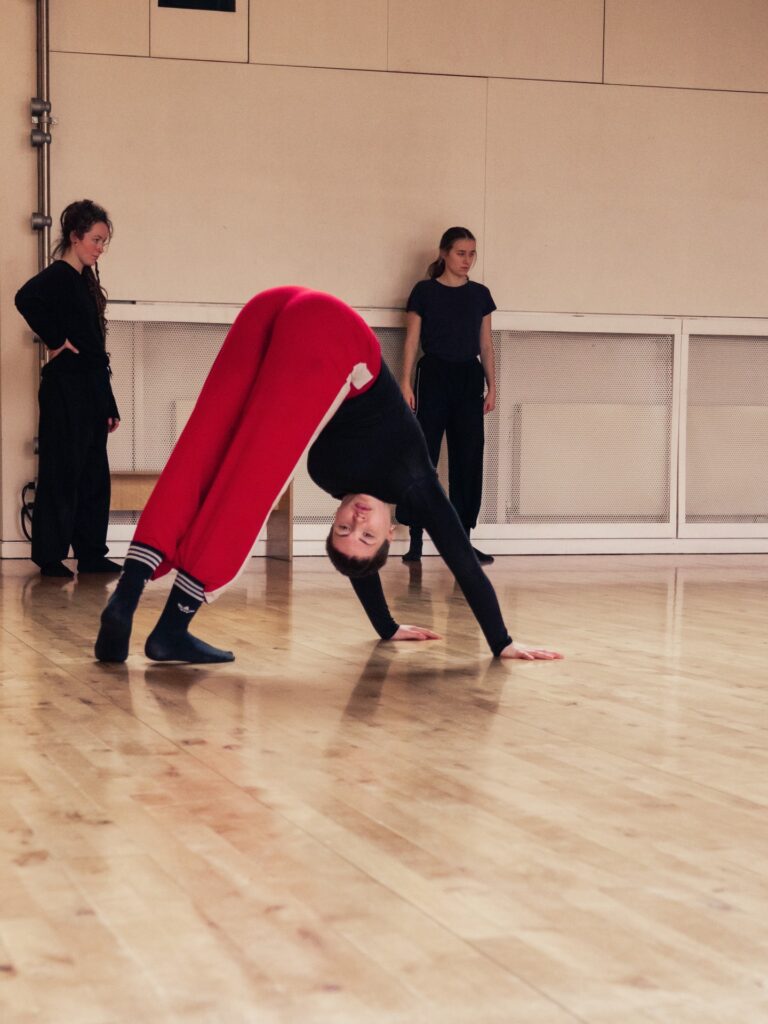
(446, 244)
(80, 218)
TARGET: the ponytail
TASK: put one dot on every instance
(435, 269)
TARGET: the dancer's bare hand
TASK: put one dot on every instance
(57, 351)
(112, 424)
(523, 653)
(408, 395)
(415, 633)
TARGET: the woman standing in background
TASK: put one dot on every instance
(64, 305)
(451, 317)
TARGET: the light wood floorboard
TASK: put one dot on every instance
(336, 831)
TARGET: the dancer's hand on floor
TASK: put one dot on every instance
(524, 653)
(415, 633)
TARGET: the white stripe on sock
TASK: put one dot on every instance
(190, 586)
(146, 556)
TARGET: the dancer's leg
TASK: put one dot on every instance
(117, 618)
(63, 437)
(189, 472)
(197, 457)
(171, 640)
(432, 411)
(465, 438)
(317, 344)
(320, 350)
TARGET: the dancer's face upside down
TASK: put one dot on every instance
(361, 525)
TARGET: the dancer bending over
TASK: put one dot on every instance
(297, 367)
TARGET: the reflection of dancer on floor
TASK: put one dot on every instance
(297, 366)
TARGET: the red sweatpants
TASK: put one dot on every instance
(288, 361)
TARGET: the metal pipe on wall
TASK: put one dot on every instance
(40, 138)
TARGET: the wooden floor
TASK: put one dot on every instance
(335, 831)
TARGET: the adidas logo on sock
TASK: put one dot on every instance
(186, 609)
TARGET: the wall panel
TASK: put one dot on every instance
(100, 26)
(696, 44)
(200, 35)
(226, 179)
(551, 39)
(320, 33)
(626, 200)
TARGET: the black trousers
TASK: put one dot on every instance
(449, 401)
(73, 486)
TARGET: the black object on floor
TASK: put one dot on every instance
(56, 569)
(102, 565)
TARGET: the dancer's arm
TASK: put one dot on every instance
(441, 522)
(488, 362)
(371, 595)
(410, 348)
(428, 501)
(40, 305)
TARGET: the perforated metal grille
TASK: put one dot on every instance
(582, 429)
(727, 430)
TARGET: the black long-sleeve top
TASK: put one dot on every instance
(58, 305)
(374, 445)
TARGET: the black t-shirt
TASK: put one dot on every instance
(451, 318)
(58, 305)
(374, 445)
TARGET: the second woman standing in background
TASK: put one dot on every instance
(65, 306)
(451, 316)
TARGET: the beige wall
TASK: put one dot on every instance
(613, 200)
(557, 39)
(100, 26)
(607, 164)
(340, 180)
(329, 33)
(18, 258)
(199, 35)
(691, 44)
(587, 194)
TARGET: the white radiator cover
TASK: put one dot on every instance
(727, 460)
(610, 433)
(593, 460)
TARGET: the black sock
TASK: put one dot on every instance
(171, 640)
(117, 618)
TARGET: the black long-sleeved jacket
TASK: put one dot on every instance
(374, 445)
(58, 306)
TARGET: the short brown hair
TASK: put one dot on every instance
(356, 568)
